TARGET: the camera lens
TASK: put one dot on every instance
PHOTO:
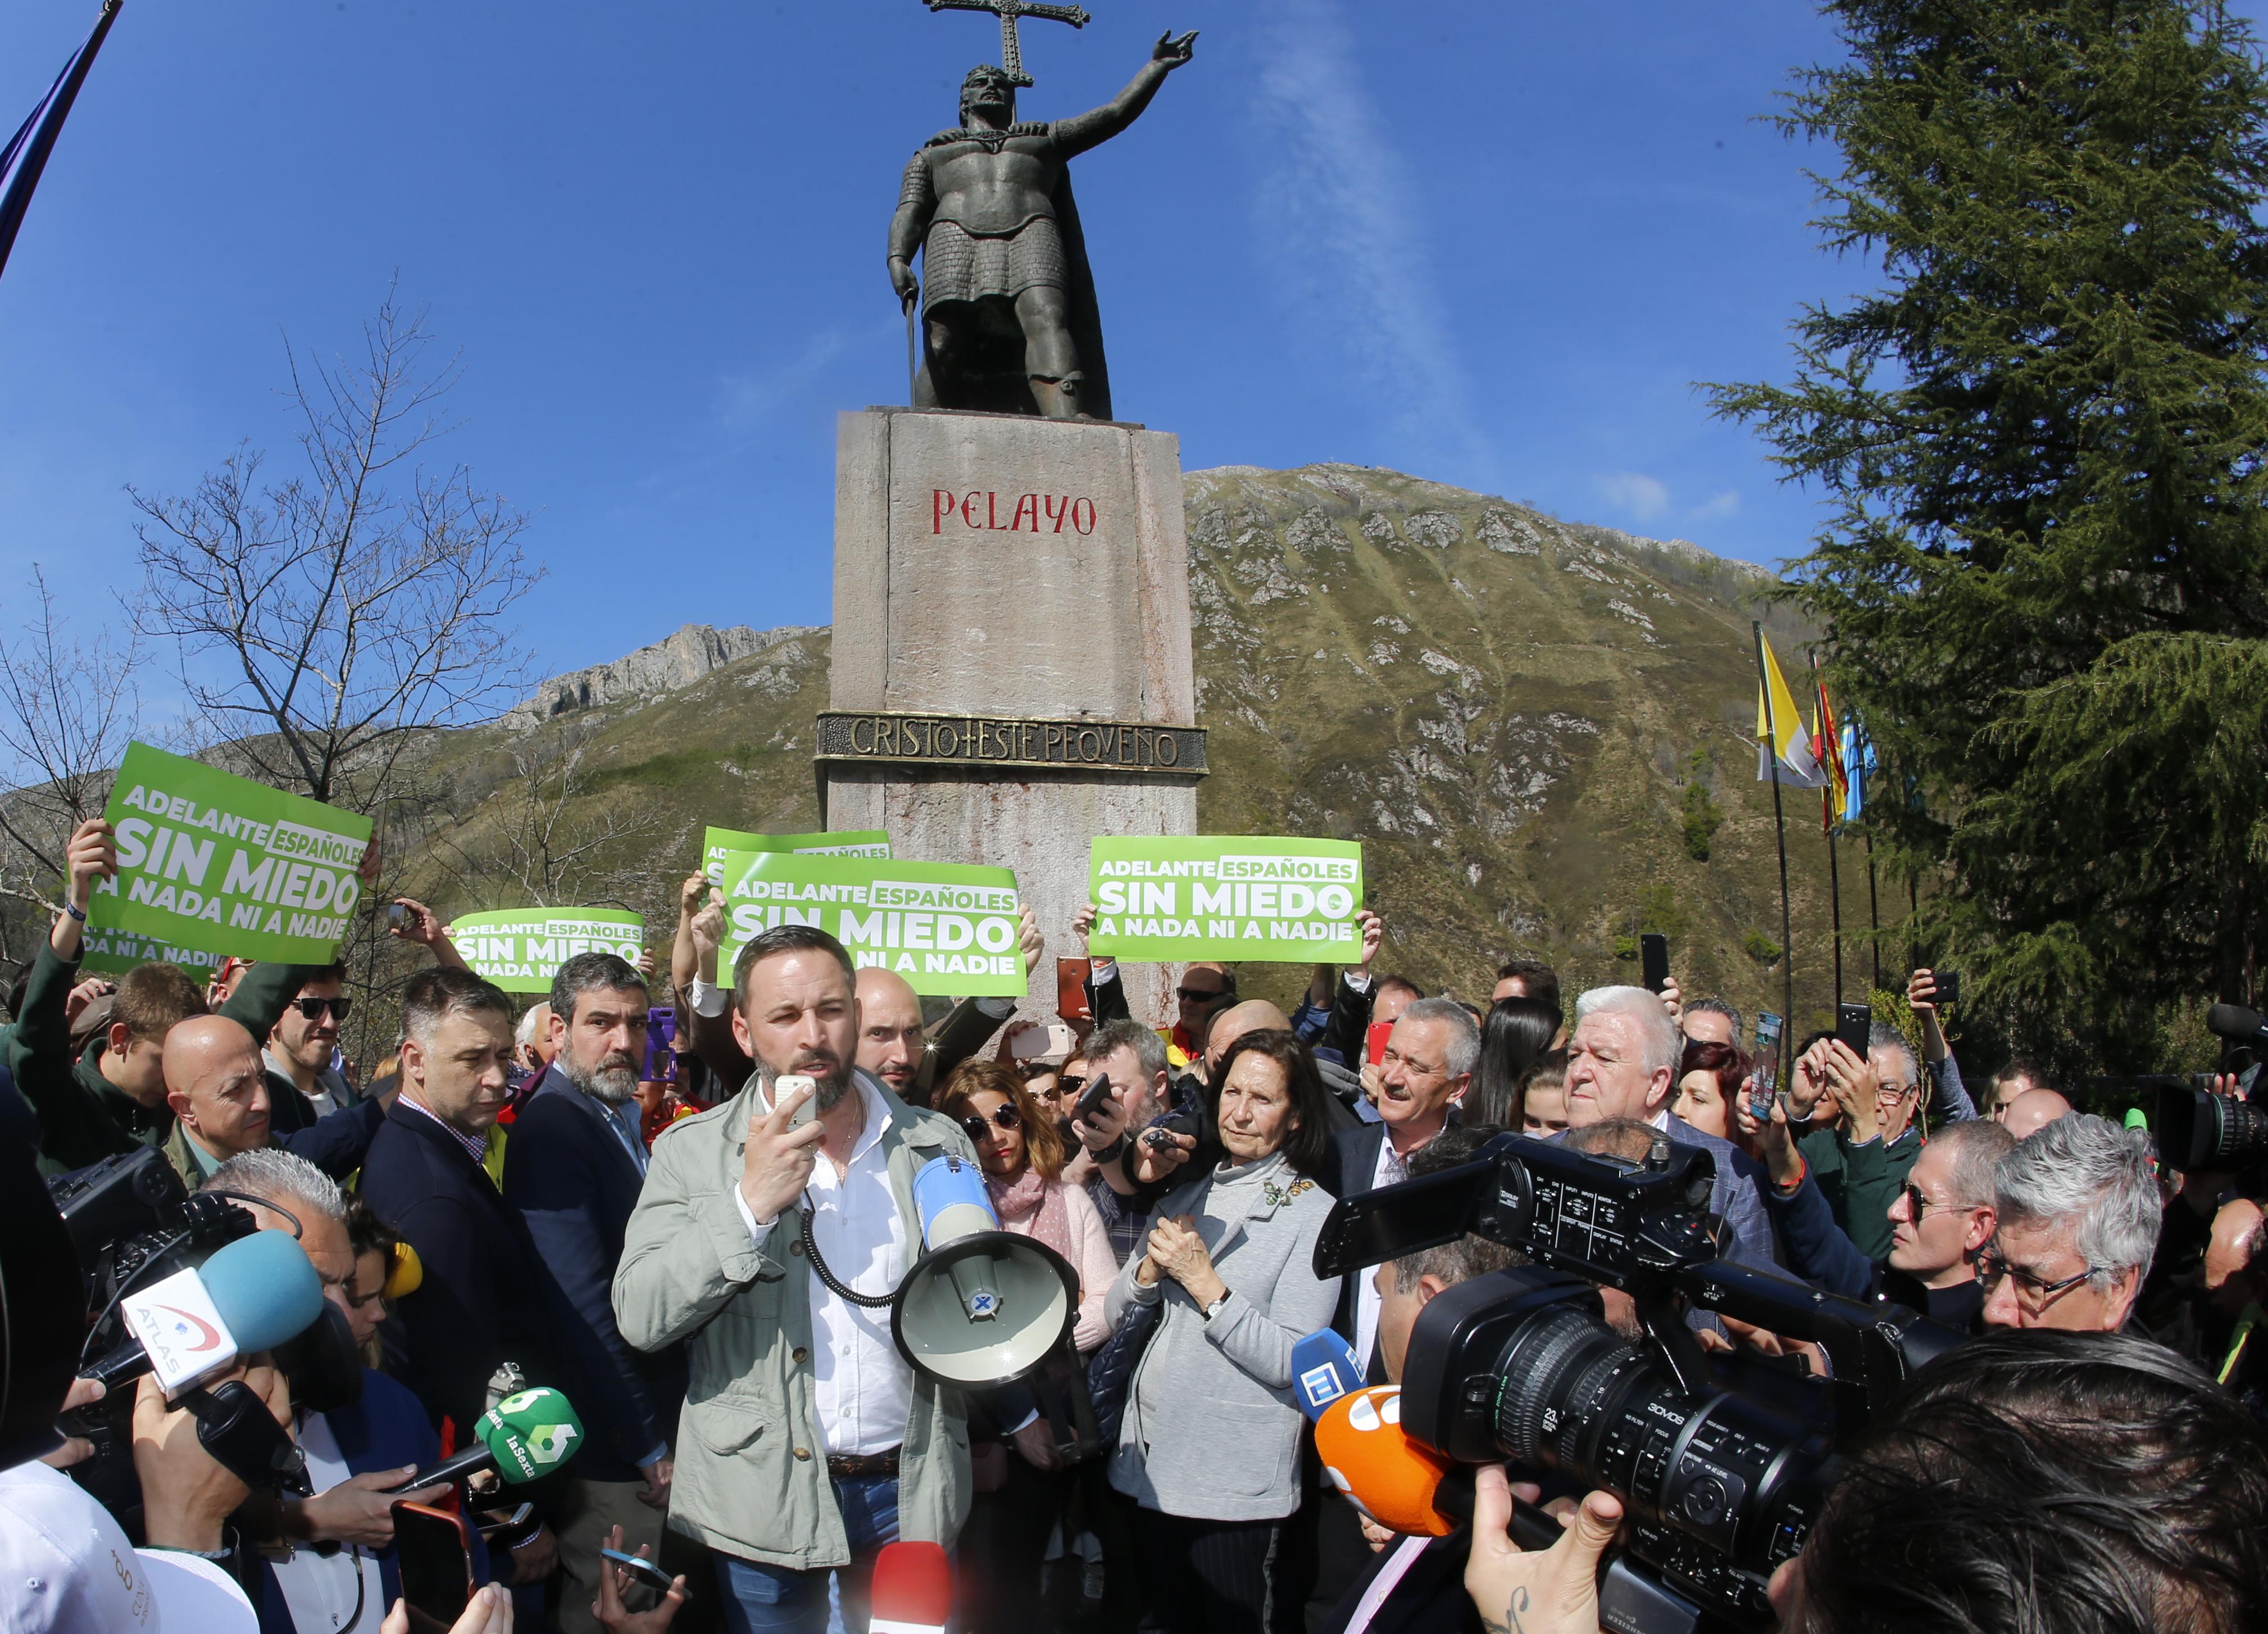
(1576, 1397)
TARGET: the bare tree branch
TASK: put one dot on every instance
(555, 849)
(68, 710)
(323, 622)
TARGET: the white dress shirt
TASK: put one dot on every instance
(1390, 1170)
(862, 1388)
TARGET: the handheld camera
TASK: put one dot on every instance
(1721, 1462)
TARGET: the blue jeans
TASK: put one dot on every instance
(779, 1600)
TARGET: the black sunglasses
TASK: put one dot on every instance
(1003, 1118)
(313, 1008)
(1200, 995)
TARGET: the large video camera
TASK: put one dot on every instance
(2197, 1131)
(1721, 1462)
(133, 1224)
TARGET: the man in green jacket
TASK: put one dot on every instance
(1863, 1162)
(806, 1442)
(111, 1099)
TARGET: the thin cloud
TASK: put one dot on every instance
(1643, 499)
(1717, 507)
(1334, 206)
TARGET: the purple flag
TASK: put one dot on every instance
(26, 154)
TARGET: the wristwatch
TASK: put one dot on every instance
(1216, 1307)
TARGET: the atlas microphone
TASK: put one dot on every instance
(525, 1437)
(913, 1589)
(250, 1295)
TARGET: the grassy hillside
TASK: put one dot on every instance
(1508, 711)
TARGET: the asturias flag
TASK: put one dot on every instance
(1781, 728)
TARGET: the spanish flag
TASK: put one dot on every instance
(1827, 735)
(1779, 727)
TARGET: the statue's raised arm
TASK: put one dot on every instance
(1076, 134)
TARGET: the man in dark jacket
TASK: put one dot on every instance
(573, 1168)
(486, 1296)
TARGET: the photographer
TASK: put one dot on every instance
(2065, 1482)
(1863, 1162)
(1945, 1212)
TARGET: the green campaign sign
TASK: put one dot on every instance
(719, 843)
(948, 928)
(520, 949)
(1263, 897)
(212, 866)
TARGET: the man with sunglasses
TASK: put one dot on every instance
(305, 1037)
(2079, 1209)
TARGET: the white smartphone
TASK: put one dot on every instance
(787, 1086)
(1032, 1043)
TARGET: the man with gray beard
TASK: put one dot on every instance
(574, 1165)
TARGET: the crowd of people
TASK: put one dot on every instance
(615, 1193)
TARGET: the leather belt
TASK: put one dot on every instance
(863, 1466)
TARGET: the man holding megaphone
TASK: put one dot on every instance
(808, 1439)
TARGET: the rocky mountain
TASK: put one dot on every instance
(1541, 731)
(674, 662)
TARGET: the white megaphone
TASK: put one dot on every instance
(982, 1306)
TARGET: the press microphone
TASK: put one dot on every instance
(2234, 1021)
(1323, 1369)
(249, 1295)
(525, 1437)
(913, 1589)
(1394, 1480)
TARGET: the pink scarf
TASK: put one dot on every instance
(1014, 1200)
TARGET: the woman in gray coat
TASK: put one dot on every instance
(1209, 1445)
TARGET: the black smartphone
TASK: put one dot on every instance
(435, 1549)
(1654, 960)
(1854, 1024)
(645, 1576)
(1098, 1091)
(1948, 987)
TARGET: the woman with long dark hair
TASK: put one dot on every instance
(1517, 1034)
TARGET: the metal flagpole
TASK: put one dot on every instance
(1779, 832)
(1874, 909)
(1835, 905)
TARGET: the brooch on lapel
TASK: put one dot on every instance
(1276, 1196)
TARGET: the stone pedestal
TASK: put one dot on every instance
(1006, 569)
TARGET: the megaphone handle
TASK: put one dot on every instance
(871, 1301)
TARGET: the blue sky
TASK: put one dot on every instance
(1492, 244)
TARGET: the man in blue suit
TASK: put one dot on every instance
(1430, 1059)
(1622, 1062)
(573, 1168)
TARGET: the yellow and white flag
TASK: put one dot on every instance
(1779, 727)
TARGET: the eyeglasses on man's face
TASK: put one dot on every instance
(2032, 1290)
(315, 1009)
(1200, 995)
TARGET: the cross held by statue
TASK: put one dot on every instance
(1012, 53)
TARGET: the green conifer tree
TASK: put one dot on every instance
(2044, 580)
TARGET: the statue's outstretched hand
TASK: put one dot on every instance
(1172, 52)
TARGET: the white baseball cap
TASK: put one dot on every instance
(65, 1566)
